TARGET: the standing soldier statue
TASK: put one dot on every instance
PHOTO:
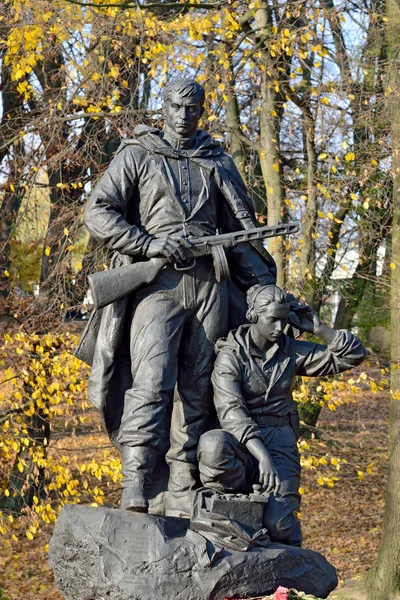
(162, 190)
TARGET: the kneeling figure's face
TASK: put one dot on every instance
(272, 321)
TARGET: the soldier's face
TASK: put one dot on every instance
(272, 321)
(182, 115)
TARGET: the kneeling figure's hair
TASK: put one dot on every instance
(260, 296)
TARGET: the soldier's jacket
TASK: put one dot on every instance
(248, 388)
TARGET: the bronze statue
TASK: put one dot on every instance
(162, 189)
(253, 379)
(174, 209)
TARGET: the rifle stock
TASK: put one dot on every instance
(108, 286)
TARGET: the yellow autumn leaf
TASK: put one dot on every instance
(66, 232)
(47, 251)
(344, 145)
(392, 266)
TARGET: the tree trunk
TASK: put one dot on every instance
(10, 206)
(233, 119)
(271, 171)
(307, 252)
(270, 159)
(383, 581)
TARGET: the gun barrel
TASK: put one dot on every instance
(246, 235)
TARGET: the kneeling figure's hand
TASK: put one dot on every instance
(269, 477)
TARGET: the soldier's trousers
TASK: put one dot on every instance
(176, 322)
(227, 466)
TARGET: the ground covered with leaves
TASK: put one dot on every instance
(343, 522)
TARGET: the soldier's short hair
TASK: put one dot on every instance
(260, 296)
(186, 88)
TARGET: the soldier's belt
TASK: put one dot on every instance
(270, 421)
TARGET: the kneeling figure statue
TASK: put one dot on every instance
(254, 377)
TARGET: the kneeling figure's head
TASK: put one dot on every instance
(268, 310)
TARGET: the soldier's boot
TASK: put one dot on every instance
(181, 485)
(137, 469)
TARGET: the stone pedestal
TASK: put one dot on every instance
(107, 554)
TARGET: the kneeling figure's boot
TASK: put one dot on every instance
(137, 469)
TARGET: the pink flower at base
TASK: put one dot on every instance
(281, 593)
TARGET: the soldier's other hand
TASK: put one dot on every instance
(172, 249)
(269, 477)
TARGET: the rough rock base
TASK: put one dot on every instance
(107, 554)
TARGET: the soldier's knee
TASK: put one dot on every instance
(280, 528)
(212, 445)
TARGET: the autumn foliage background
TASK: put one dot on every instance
(297, 91)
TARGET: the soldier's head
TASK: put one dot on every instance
(268, 310)
(183, 106)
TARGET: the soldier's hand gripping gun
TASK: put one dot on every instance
(108, 286)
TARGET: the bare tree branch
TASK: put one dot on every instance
(4, 414)
(179, 5)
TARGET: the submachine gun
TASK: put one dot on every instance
(108, 286)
